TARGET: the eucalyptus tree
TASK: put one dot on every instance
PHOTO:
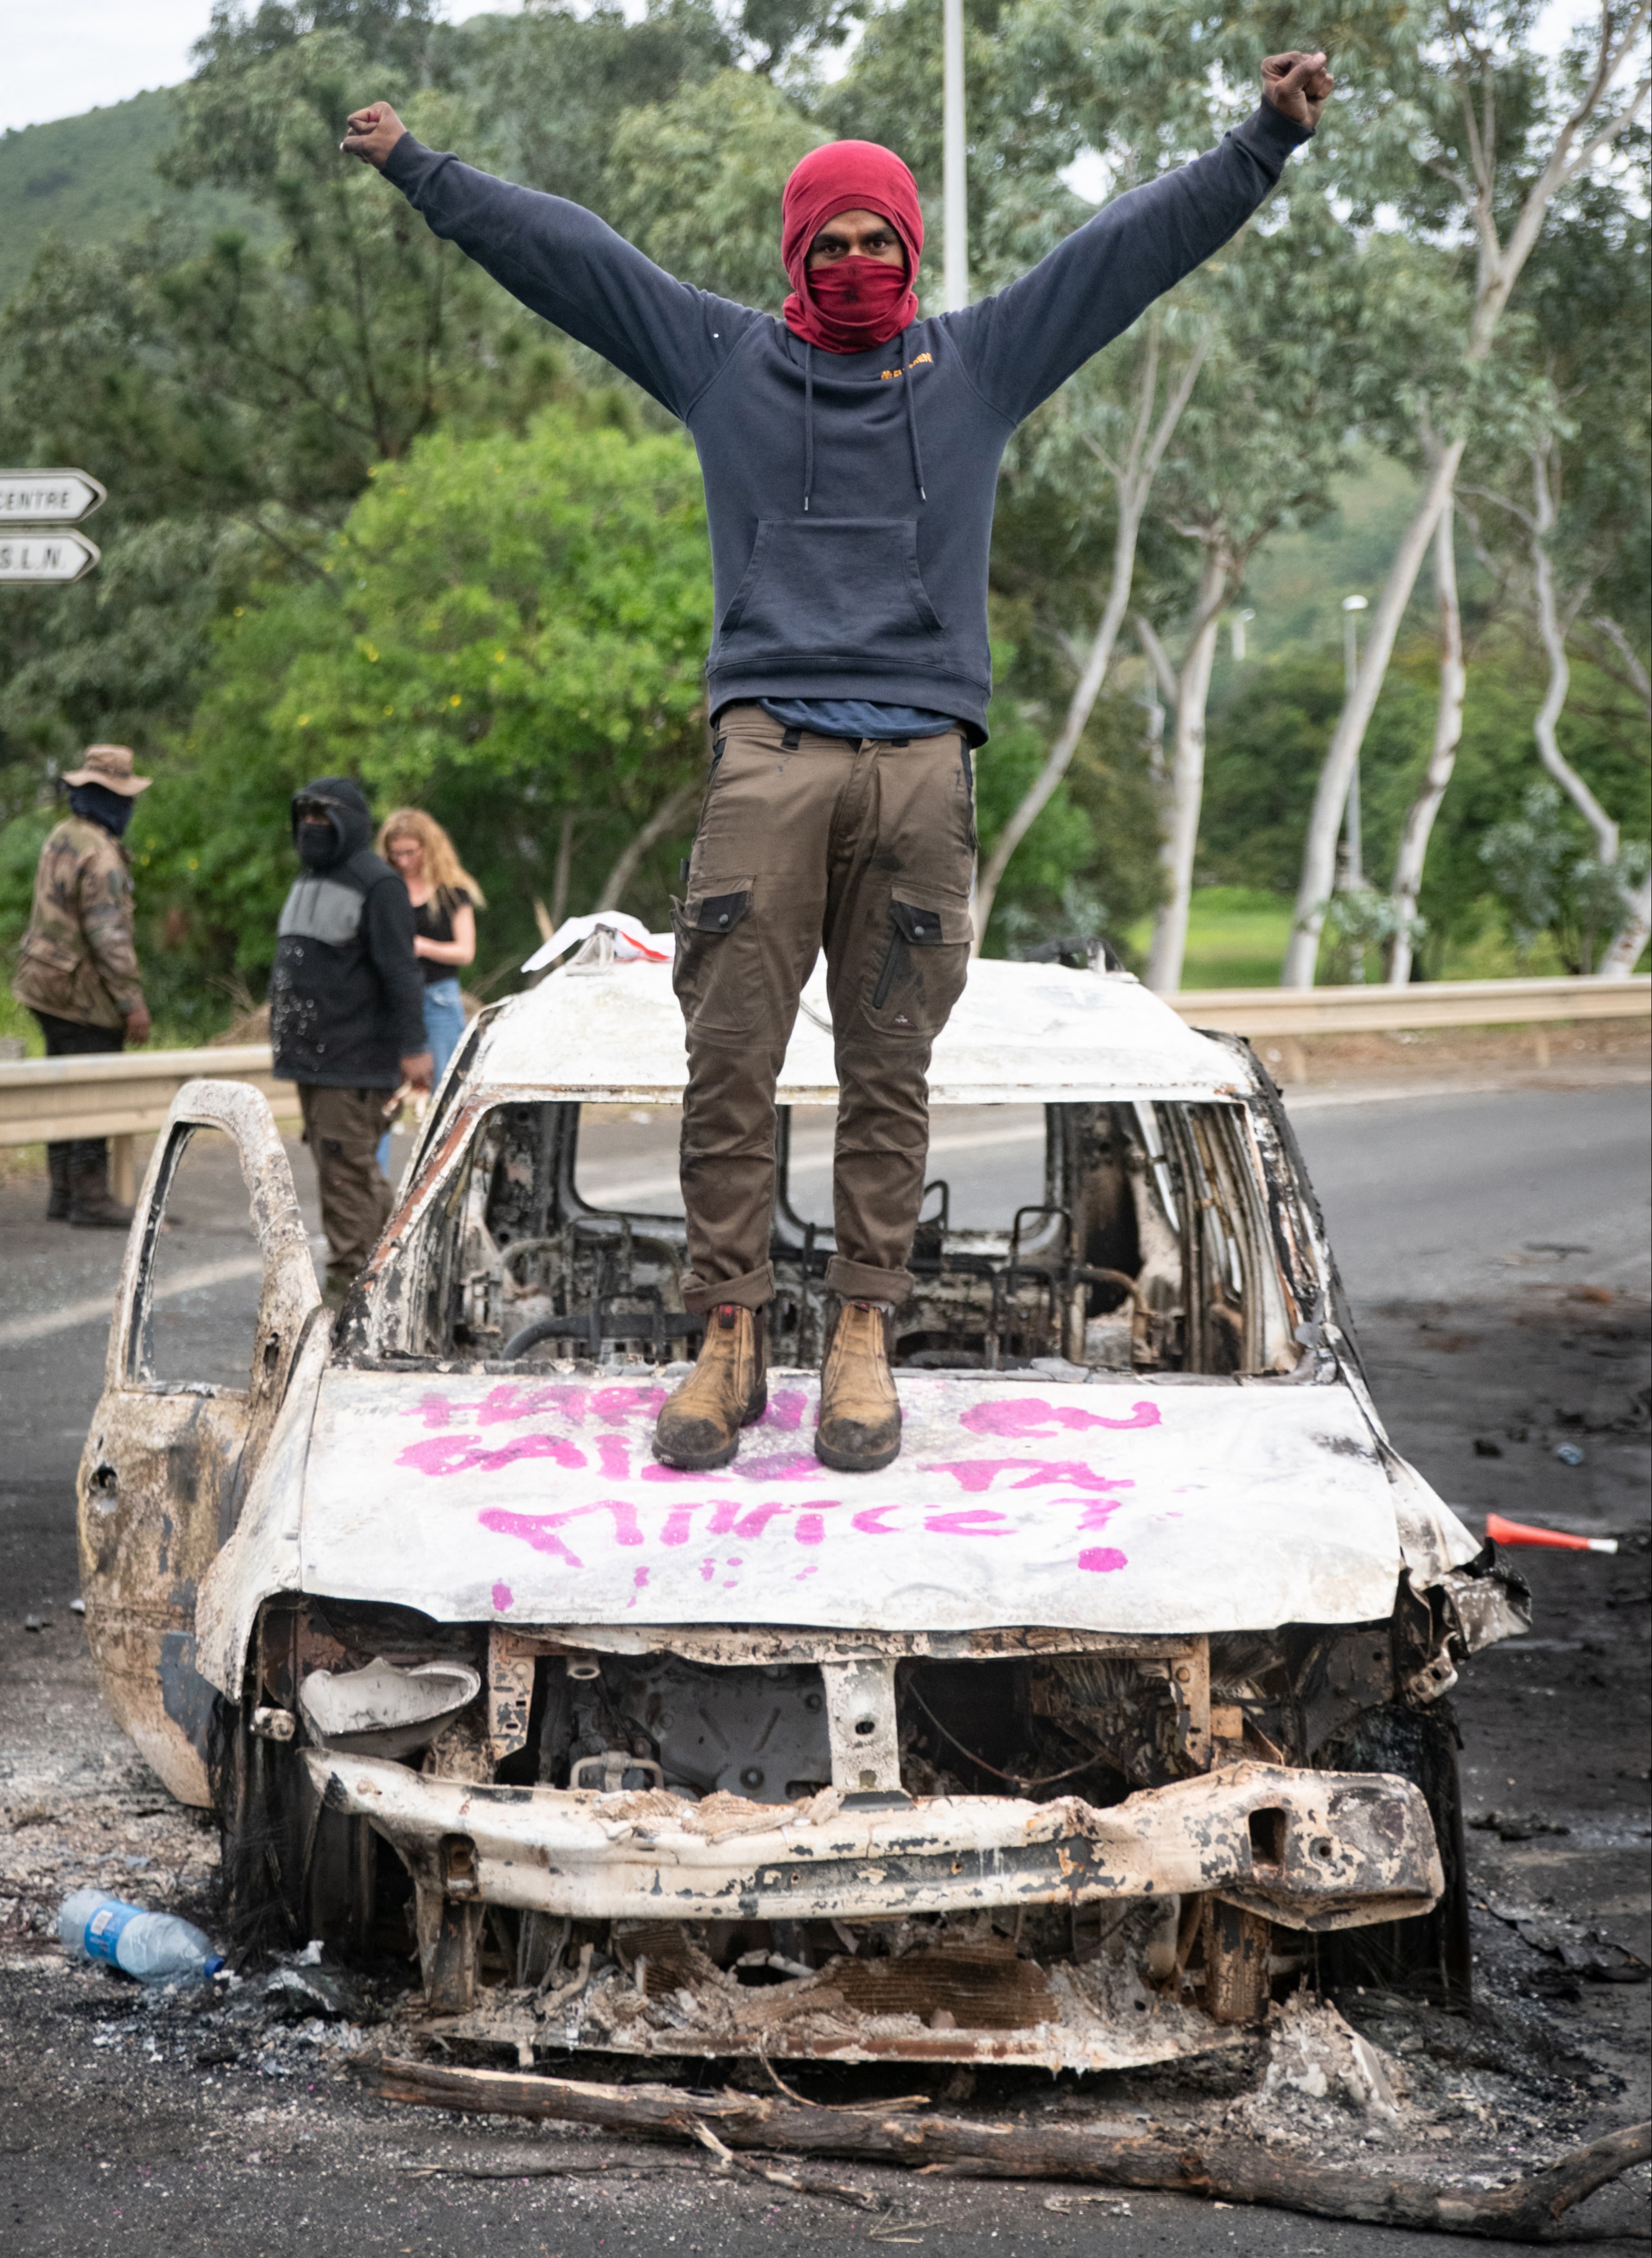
(1268, 428)
(1474, 135)
(1561, 511)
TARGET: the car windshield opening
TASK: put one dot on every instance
(1127, 1237)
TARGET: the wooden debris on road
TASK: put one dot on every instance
(1231, 2170)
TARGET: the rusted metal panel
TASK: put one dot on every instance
(166, 1467)
(153, 1478)
(1113, 1507)
(1020, 1032)
(1337, 1849)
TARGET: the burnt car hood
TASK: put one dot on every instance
(1118, 1506)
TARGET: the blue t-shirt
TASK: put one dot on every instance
(857, 717)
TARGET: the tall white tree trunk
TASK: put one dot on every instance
(1632, 935)
(1185, 791)
(1133, 480)
(1554, 629)
(1330, 796)
(1447, 733)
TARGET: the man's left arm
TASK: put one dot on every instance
(389, 923)
(1022, 344)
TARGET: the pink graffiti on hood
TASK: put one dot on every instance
(1029, 1417)
(786, 1407)
(977, 1473)
(511, 1400)
(539, 1529)
(463, 1454)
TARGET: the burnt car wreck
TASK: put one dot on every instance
(1116, 1704)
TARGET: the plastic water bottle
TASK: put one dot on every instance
(156, 1948)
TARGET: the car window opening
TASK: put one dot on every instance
(1148, 1252)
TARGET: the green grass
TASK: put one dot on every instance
(92, 179)
(1236, 938)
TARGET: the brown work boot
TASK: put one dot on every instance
(860, 1425)
(92, 1205)
(698, 1426)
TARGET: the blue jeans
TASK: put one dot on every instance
(443, 1026)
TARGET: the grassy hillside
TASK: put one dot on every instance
(90, 179)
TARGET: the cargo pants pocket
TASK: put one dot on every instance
(716, 971)
(923, 969)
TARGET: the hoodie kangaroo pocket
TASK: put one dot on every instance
(843, 590)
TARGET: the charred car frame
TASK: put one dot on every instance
(1118, 1701)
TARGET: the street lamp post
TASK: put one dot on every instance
(954, 195)
(1353, 851)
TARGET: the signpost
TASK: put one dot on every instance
(37, 508)
(48, 497)
(45, 557)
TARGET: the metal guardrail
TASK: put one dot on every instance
(1378, 1009)
(124, 1094)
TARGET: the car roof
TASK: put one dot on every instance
(612, 1032)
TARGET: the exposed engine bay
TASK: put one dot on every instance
(733, 1746)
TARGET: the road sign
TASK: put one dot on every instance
(45, 557)
(48, 497)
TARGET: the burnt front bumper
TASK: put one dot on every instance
(1309, 1850)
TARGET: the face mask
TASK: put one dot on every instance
(95, 803)
(858, 302)
(317, 845)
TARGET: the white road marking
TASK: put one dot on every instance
(100, 1307)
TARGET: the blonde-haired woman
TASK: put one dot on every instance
(445, 899)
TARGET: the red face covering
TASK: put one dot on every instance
(856, 303)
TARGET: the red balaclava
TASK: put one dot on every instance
(855, 303)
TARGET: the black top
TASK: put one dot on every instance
(433, 921)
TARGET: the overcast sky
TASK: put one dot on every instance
(65, 56)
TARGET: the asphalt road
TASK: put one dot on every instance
(1495, 1247)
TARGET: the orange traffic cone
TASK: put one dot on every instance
(1519, 1532)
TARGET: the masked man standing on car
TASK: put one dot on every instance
(77, 968)
(346, 1013)
(850, 453)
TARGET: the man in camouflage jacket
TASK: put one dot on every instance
(77, 968)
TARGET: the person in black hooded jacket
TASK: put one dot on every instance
(346, 1011)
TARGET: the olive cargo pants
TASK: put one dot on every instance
(865, 846)
(342, 1128)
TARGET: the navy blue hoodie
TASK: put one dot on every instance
(850, 494)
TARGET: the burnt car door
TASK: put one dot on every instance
(217, 1292)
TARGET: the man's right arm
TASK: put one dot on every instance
(565, 264)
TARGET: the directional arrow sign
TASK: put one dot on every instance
(48, 497)
(43, 557)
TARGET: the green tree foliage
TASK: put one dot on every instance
(91, 180)
(505, 631)
(1552, 884)
(700, 180)
(233, 398)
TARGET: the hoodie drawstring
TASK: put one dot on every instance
(911, 419)
(808, 422)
